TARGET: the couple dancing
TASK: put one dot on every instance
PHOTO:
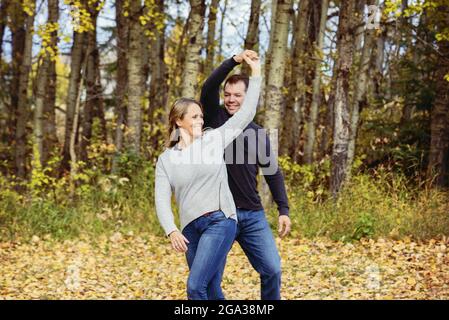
(218, 201)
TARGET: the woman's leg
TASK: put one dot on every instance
(214, 291)
(217, 236)
(193, 235)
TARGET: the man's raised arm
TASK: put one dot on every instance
(210, 92)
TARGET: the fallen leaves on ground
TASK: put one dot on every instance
(133, 267)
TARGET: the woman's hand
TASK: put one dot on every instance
(254, 63)
(239, 57)
(178, 241)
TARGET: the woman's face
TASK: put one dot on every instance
(192, 122)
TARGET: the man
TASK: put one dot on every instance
(243, 159)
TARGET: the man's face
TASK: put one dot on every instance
(234, 94)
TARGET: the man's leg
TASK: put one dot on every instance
(214, 291)
(257, 241)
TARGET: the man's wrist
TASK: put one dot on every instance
(237, 62)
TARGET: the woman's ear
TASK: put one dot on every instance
(178, 123)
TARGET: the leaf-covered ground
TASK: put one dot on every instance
(130, 267)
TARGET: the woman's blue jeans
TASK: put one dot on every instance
(211, 237)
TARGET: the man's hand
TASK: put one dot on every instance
(178, 241)
(284, 225)
(253, 62)
(250, 53)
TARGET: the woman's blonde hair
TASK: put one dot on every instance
(177, 112)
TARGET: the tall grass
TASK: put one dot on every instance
(374, 204)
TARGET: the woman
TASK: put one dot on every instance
(193, 167)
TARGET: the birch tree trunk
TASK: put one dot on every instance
(158, 85)
(345, 47)
(135, 79)
(274, 100)
(39, 110)
(77, 56)
(50, 137)
(252, 35)
(220, 41)
(3, 19)
(210, 43)
(74, 130)
(121, 79)
(92, 93)
(316, 87)
(23, 109)
(194, 35)
(274, 96)
(268, 54)
(291, 130)
(360, 89)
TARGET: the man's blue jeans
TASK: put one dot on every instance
(256, 239)
(210, 238)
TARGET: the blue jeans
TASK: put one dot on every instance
(210, 238)
(256, 239)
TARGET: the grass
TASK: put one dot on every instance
(379, 204)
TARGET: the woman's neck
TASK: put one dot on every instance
(185, 140)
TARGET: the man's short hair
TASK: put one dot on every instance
(237, 78)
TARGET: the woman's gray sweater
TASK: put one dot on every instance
(197, 174)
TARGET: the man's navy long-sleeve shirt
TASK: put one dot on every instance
(257, 153)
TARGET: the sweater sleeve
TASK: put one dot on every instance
(232, 128)
(162, 195)
(210, 91)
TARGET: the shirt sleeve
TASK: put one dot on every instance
(162, 195)
(210, 91)
(267, 162)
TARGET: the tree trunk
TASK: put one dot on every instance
(252, 35)
(3, 19)
(360, 88)
(77, 56)
(92, 92)
(316, 87)
(41, 83)
(50, 137)
(291, 131)
(438, 167)
(210, 43)
(121, 79)
(274, 100)
(158, 84)
(345, 46)
(23, 104)
(193, 50)
(74, 130)
(220, 42)
(18, 33)
(268, 54)
(135, 79)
